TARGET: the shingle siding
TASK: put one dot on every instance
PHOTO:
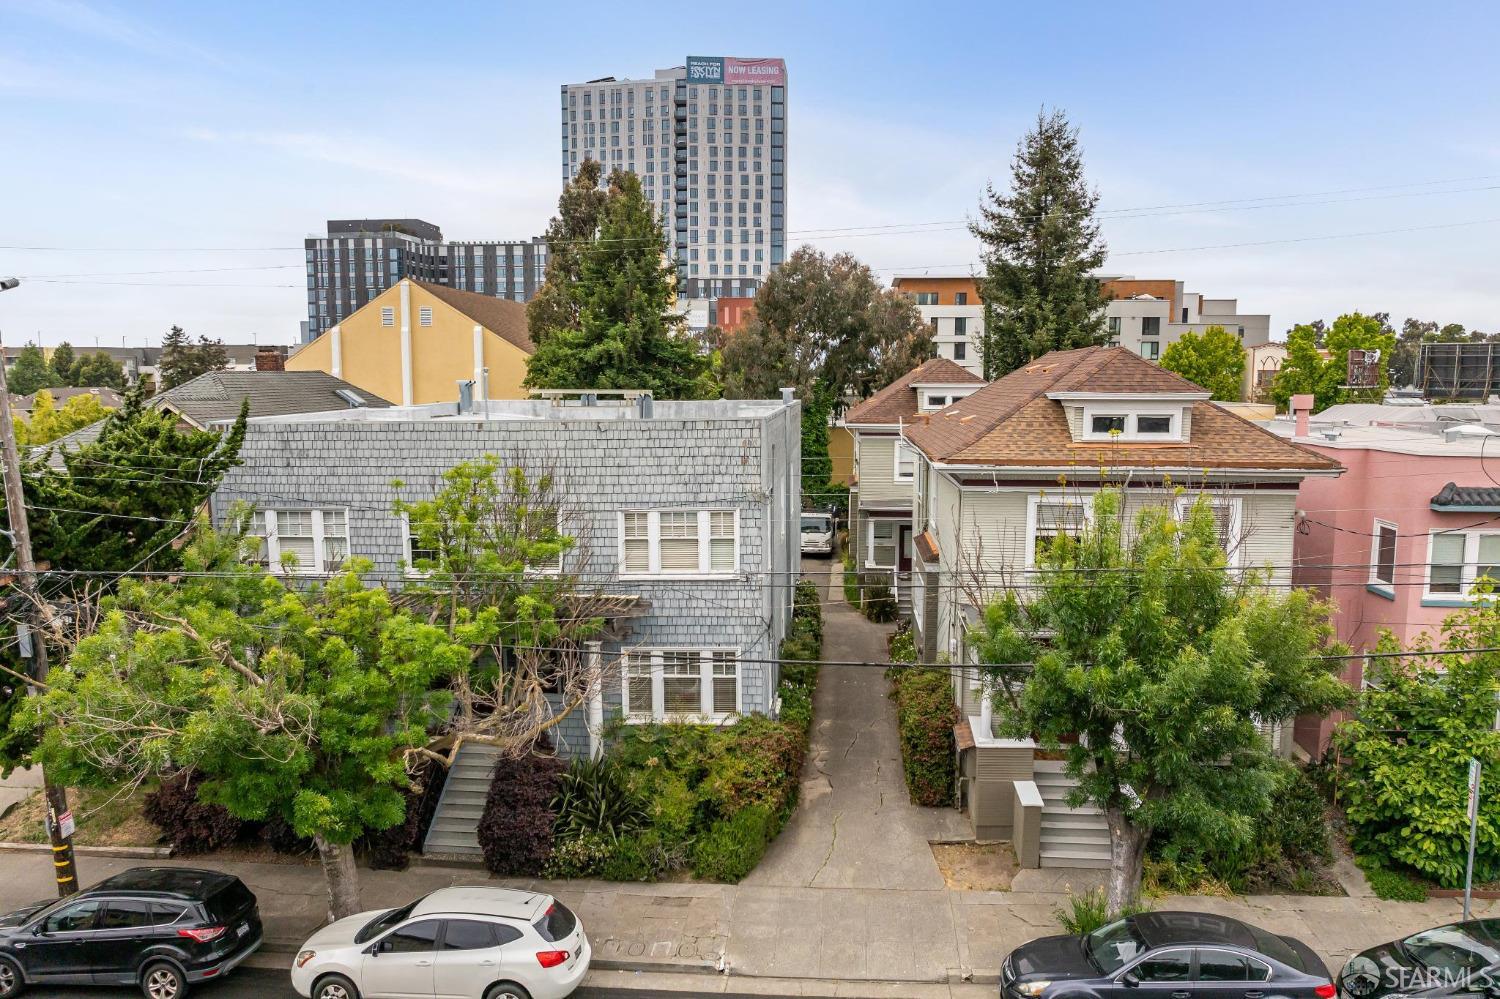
(751, 465)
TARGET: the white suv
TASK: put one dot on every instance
(477, 943)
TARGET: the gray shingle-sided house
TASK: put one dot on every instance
(690, 508)
(1001, 471)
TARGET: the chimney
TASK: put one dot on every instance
(1301, 407)
(268, 359)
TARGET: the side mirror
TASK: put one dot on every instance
(1130, 980)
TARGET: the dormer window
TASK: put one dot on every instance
(1133, 423)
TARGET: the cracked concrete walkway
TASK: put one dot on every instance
(855, 826)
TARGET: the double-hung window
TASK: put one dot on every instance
(679, 542)
(1383, 557)
(1226, 512)
(305, 542)
(905, 463)
(1458, 560)
(1051, 518)
(681, 684)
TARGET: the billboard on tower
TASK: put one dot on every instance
(733, 70)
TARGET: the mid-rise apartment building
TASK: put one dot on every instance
(952, 306)
(1146, 315)
(708, 140)
(360, 258)
(1142, 315)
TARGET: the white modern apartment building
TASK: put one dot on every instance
(952, 306)
(708, 140)
(1147, 314)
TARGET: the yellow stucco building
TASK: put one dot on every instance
(414, 342)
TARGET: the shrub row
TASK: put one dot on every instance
(668, 797)
(925, 716)
(193, 826)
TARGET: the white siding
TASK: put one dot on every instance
(1268, 525)
(1075, 420)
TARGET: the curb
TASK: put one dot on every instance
(279, 946)
(130, 852)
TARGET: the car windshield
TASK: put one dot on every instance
(1110, 947)
(816, 525)
(383, 922)
(1451, 950)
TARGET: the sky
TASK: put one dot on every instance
(161, 163)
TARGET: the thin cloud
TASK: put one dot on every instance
(96, 22)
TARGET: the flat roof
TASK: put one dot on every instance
(533, 410)
(1412, 440)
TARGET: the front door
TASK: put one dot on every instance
(401, 967)
(61, 950)
(903, 547)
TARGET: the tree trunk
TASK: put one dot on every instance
(1127, 850)
(342, 877)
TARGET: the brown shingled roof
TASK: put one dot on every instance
(1011, 422)
(898, 400)
(504, 318)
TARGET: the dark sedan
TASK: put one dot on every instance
(1461, 958)
(1166, 955)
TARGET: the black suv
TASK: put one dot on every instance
(161, 927)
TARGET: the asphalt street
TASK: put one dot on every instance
(261, 983)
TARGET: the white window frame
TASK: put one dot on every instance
(272, 541)
(653, 545)
(1130, 412)
(657, 658)
(1468, 572)
(1385, 585)
(901, 447)
(1084, 500)
(870, 562)
(1236, 505)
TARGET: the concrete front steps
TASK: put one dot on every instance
(454, 829)
(1071, 837)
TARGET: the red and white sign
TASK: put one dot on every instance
(765, 71)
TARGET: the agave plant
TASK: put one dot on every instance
(593, 799)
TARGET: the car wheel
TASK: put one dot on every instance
(11, 982)
(335, 987)
(507, 990)
(162, 981)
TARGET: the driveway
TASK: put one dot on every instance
(854, 826)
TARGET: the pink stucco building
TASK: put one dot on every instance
(1399, 539)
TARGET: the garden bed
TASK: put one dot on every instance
(976, 866)
(669, 801)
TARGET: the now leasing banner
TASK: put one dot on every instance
(731, 70)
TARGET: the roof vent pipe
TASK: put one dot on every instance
(788, 396)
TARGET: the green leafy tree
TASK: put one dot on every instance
(297, 703)
(1214, 359)
(47, 422)
(628, 334)
(30, 372)
(99, 370)
(1153, 668)
(824, 324)
(63, 363)
(1404, 754)
(1307, 371)
(1041, 246)
(119, 503)
(570, 234)
(182, 360)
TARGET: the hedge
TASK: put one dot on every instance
(925, 716)
(515, 829)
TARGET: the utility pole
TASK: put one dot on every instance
(59, 819)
